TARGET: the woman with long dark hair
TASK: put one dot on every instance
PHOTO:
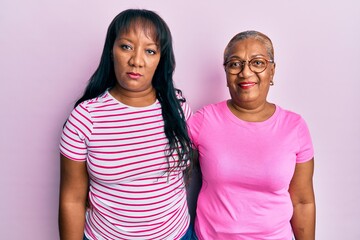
(125, 145)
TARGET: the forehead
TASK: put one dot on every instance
(247, 48)
(140, 27)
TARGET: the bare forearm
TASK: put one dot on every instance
(71, 221)
(73, 195)
(303, 221)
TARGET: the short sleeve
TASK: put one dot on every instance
(306, 149)
(184, 105)
(76, 134)
(186, 109)
(194, 126)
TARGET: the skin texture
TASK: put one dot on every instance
(133, 53)
(250, 104)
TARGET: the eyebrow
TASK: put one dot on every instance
(127, 39)
(251, 57)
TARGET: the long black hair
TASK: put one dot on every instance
(104, 78)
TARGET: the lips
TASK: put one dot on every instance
(134, 75)
(246, 85)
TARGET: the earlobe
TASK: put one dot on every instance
(272, 75)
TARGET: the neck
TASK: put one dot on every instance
(134, 99)
(259, 113)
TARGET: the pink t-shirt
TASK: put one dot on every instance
(247, 168)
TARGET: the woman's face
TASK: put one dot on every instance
(248, 88)
(136, 56)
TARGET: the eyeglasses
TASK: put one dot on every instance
(256, 65)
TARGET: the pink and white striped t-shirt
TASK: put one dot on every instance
(132, 196)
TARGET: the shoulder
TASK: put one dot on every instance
(101, 101)
(85, 111)
(179, 94)
(292, 121)
(288, 115)
(208, 112)
(290, 118)
(212, 109)
(183, 103)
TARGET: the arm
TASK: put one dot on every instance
(73, 195)
(194, 186)
(303, 199)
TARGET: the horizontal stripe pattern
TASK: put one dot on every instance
(132, 196)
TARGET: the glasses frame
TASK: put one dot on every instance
(247, 62)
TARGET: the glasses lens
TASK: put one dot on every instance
(234, 67)
(258, 65)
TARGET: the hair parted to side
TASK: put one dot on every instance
(251, 34)
(104, 77)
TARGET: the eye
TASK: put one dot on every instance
(234, 64)
(125, 47)
(150, 51)
(258, 62)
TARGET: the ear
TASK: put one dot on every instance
(272, 70)
(227, 83)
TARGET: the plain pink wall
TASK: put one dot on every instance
(49, 49)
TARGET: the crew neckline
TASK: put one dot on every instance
(239, 121)
(128, 106)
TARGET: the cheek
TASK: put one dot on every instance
(153, 66)
(119, 56)
(117, 68)
(230, 80)
(265, 77)
(119, 63)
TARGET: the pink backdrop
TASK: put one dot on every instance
(49, 49)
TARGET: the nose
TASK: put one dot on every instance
(246, 72)
(136, 58)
